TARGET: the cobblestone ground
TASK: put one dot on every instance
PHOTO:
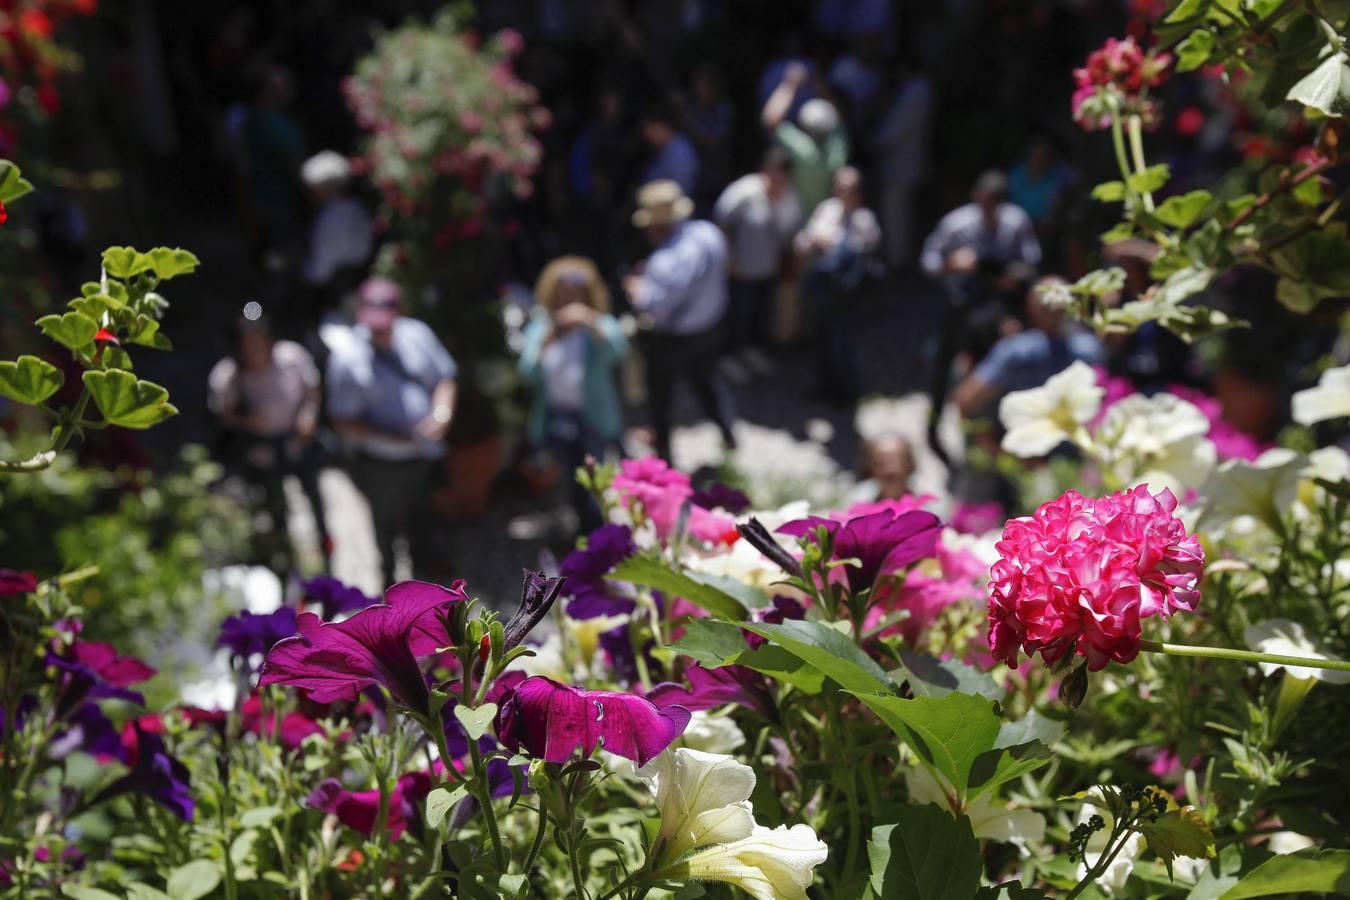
(791, 445)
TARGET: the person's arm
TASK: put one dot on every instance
(1029, 244)
(307, 416)
(933, 259)
(973, 395)
(437, 422)
(868, 230)
(611, 343)
(537, 333)
(780, 101)
(346, 406)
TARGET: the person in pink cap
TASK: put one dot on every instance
(391, 397)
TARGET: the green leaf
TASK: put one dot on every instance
(653, 573)
(1185, 10)
(1109, 191)
(171, 262)
(145, 331)
(712, 643)
(1326, 88)
(1021, 747)
(1182, 211)
(949, 733)
(138, 891)
(1182, 284)
(1309, 192)
(1193, 52)
(1011, 890)
(828, 651)
(928, 854)
(196, 879)
(72, 330)
(29, 379)
(124, 262)
(124, 400)
(12, 184)
(440, 801)
(79, 892)
(1151, 179)
(514, 886)
(929, 677)
(1312, 871)
(1179, 832)
(1119, 232)
(476, 721)
(259, 817)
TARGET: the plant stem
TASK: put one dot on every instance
(485, 801)
(1279, 659)
(1118, 142)
(1137, 149)
(538, 841)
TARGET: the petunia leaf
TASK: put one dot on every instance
(928, 854)
(948, 733)
(441, 801)
(127, 401)
(29, 379)
(476, 721)
(829, 651)
(712, 643)
(194, 880)
(1307, 871)
(652, 573)
(72, 330)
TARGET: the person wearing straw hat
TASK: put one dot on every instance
(680, 294)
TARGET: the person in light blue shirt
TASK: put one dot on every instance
(680, 295)
(391, 394)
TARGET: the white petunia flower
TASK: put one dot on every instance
(1159, 441)
(1330, 399)
(703, 798)
(1112, 881)
(1263, 490)
(1288, 638)
(1282, 843)
(711, 733)
(776, 864)
(1039, 420)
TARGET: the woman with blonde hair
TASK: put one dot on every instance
(572, 347)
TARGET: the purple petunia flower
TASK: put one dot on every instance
(247, 633)
(720, 496)
(94, 671)
(155, 774)
(335, 597)
(378, 645)
(883, 542)
(710, 688)
(550, 721)
(585, 571)
(90, 731)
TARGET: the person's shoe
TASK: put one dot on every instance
(755, 360)
(734, 372)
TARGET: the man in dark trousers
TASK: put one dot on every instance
(680, 294)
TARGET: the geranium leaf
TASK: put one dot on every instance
(1179, 832)
(124, 262)
(124, 400)
(1182, 211)
(12, 184)
(171, 262)
(72, 330)
(29, 379)
(928, 854)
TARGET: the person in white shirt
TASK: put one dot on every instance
(838, 247)
(266, 395)
(759, 213)
(680, 294)
(341, 237)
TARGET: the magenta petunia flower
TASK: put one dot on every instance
(154, 773)
(95, 671)
(710, 688)
(379, 645)
(14, 582)
(550, 720)
(1079, 574)
(359, 810)
(883, 542)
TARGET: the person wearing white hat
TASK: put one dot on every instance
(680, 294)
(817, 142)
(341, 237)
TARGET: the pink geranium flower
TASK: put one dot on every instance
(1079, 574)
(551, 720)
(378, 645)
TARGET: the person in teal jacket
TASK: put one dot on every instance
(572, 348)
